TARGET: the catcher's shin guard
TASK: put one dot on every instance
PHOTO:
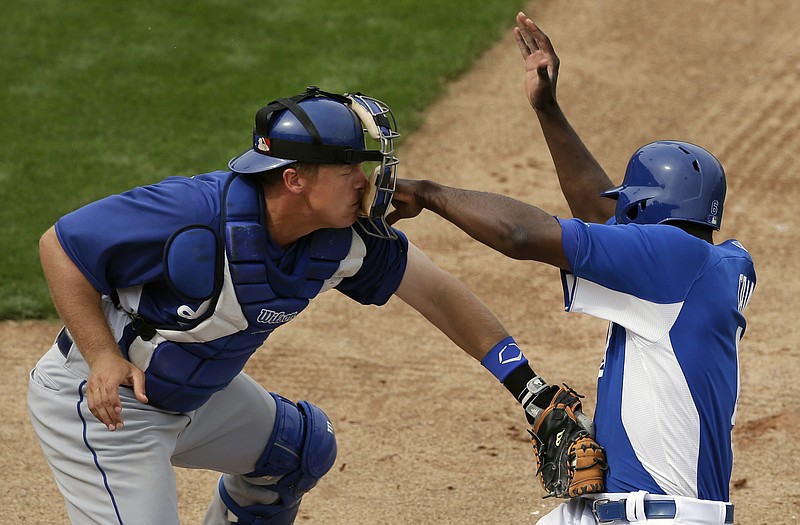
(301, 449)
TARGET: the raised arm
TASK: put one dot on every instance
(581, 177)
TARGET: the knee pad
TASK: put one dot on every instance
(301, 449)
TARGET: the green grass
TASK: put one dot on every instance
(100, 96)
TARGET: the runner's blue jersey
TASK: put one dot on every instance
(669, 382)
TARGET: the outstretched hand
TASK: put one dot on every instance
(541, 63)
(404, 201)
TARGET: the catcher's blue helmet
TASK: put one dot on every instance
(328, 128)
(670, 181)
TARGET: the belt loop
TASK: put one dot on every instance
(64, 342)
(729, 513)
(634, 507)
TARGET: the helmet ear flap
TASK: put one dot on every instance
(635, 209)
(632, 212)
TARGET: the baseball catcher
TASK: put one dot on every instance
(569, 462)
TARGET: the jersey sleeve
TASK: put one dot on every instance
(119, 241)
(634, 275)
(381, 271)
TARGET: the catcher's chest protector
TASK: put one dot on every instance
(184, 367)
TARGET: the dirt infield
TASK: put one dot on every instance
(425, 434)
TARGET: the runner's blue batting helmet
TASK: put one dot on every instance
(671, 181)
(328, 128)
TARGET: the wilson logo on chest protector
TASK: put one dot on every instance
(273, 317)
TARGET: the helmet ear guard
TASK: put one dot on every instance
(328, 128)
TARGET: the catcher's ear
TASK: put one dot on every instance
(293, 181)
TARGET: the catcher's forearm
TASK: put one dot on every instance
(448, 304)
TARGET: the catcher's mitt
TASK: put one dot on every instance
(569, 462)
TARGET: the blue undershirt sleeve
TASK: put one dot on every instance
(118, 241)
(381, 272)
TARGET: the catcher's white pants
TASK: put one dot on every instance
(689, 511)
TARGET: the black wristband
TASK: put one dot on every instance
(517, 381)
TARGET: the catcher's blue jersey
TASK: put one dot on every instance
(132, 248)
(669, 382)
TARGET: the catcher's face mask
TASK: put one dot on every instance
(380, 126)
(328, 128)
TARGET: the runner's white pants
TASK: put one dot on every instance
(689, 511)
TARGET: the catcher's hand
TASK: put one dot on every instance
(569, 462)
